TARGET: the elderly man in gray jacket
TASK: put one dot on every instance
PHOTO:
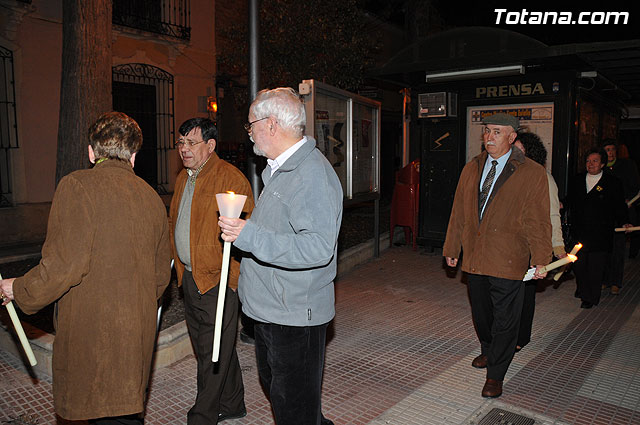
(286, 283)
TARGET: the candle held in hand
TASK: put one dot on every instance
(230, 205)
(20, 331)
(570, 258)
(575, 249)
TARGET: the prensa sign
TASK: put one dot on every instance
(525, 89)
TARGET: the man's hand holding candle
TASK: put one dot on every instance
(6, 290)
(540, 272)
(231, 228)
(6, 296)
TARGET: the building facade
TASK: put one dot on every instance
(163, 72)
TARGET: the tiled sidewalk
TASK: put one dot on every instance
(400, 353)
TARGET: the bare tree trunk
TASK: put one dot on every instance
(85, 91)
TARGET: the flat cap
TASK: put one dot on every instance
(503, 119)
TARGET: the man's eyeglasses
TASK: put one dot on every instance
(248, 125)
(190, 143)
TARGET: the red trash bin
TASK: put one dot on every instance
(405, 202)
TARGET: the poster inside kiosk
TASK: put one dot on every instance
(534, 117)
(346, 127)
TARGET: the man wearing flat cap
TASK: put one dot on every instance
(500, 220)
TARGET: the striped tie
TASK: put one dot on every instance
(486, 186)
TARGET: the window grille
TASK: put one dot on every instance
(167, 17)
(8, 125)
(145, 93)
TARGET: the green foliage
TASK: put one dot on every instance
(324, 40)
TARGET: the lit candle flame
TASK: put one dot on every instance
(576, 248)
(231, 193)
(572, 257)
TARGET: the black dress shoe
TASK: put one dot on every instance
(246, 338)
(586, 304)
(480, 362)
(238, 415)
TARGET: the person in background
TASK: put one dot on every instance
(627, 172)
(597, 206)
(533, 148)
(105, 263)
(291, 242)
(197, 252)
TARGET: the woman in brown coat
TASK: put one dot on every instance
(105, 262)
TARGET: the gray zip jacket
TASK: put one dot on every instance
(292, 239)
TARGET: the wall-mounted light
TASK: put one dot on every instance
(212, 108)
(212, 104)
(497, 71)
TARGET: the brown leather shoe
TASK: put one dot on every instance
(492, 388)
(479, 362)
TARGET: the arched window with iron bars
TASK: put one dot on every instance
(145, 93)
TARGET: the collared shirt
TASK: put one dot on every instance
(502, 161)
(274, 164)
(193, 174)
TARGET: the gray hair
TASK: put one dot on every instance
(115, 135)
(285, 105)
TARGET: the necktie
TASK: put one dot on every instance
(486, 186)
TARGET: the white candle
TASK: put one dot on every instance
(575, 249)
(570, 258)
(20, 331)
(627, 229)
(634, 199)
(230, 205)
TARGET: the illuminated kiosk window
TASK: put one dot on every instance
(346, 127)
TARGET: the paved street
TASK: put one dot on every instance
(400, 353)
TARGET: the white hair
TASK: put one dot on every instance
(284, 104)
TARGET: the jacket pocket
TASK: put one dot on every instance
(278, 286)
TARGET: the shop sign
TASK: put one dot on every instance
(526, 89)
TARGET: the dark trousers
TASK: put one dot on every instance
(118, 420)
(615, 262)
(589, 270)
(220, 388)
(290, 364)
(496, 307)
(528, 309)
